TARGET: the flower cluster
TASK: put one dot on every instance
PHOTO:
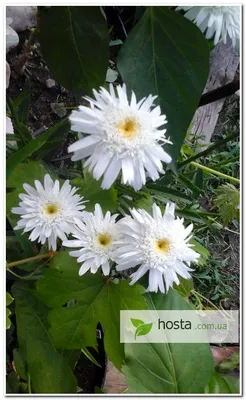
(158, 244)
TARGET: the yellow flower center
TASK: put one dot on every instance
(129, 128)
(51, 209)
(163, 245)
(104, 239)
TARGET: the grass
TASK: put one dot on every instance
(218, 280)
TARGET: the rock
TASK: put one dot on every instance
(8, 72)
(10, 130)
(50, 83)
(58, 109)
(23, 17)
(12, 38)
(9, 126)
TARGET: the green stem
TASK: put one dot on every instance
(196, 294)
(214, 146)
(210, 302)
(50, 254)
(212, 171)
(28, 276)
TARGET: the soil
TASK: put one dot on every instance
(41, 115)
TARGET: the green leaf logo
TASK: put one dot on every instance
(142, 328)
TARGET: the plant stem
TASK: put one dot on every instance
(196, 294)
(50, 254)
(28, 276)
(220, 93)
(203, 153)
(212, 171)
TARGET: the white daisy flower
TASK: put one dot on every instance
(159, 244)
(95, 236)
(48, 211)
(222, 21)
(123, 135)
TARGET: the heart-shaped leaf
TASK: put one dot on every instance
(167, 55)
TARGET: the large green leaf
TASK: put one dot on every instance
(96, 300)
(204, 253)
(74, 43)
(168, 367)
(48, 370)
(222, 385)
(167, 55)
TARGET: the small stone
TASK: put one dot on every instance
(50, 83)
(8, 72)
(12, 38)
(58, 109)
(23, 17)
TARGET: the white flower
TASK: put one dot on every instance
(159, 244)
(48, 211)
(95, 236)
(122, 136)
(222, 21)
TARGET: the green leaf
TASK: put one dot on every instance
(8, 322)
(96, 301)
(204, 253)
(12, 383)
(167, 55)
(48, 370)
(189, 184)
(74, 43)
(20, 364)
(185, 286)
(161, 192)
(222, 385)
(26, 151)
(210, 149)
(227, 201)
(232, 363)
(167, 367)
(145, 202)
(56, 138)
(20, 129)
(9, 299)
(137, 322)
(92, 191)
(143, 329)
(90, 357)
(100, 390)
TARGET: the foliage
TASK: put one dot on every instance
(54, 311)
(227, 201)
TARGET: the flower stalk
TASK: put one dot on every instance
(43, 256)
(212, 171)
